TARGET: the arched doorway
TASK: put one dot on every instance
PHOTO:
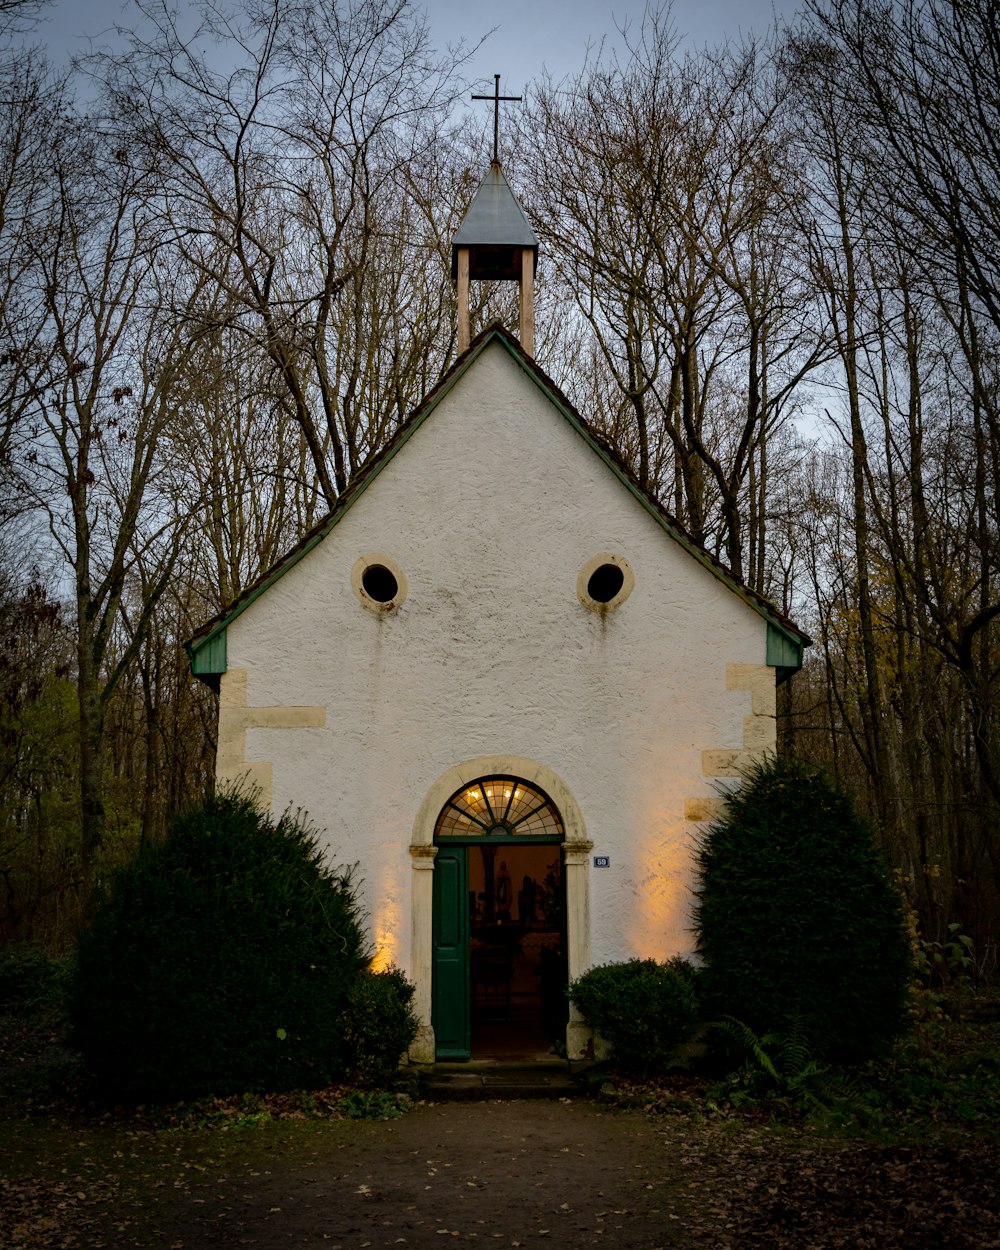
(499, 921)
(425, 879)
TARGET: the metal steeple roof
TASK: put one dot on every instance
(494, 219)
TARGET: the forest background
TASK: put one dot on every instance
(769, 276)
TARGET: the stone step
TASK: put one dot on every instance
(452, 1082)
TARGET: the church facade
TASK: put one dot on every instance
(508, 687)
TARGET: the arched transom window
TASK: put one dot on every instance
(499, 807)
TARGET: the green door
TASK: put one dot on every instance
(451, 953)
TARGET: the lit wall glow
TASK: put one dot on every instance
(386, 922)
(659, 912)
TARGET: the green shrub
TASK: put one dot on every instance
(643, 1008)
(380, 1025)
(220, 961)
(796, 916)
(371, 1104)
(29, 979)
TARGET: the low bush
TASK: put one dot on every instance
(29, 979)
(380, 1025)
(370, 1104)
(644, 1009)
(221, 961)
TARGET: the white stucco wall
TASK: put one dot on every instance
(491, 509)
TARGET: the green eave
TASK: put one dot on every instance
(207, 652)
(208, 656)
(784, 650)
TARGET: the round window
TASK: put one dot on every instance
(378, 582)
(605, 582)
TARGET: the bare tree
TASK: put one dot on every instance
(103, 391)
(38, 747)
(31, 106)
(18, 16)
(837, 223)
(892, 117)
(924, 80)
(284, 182)
(664, 188)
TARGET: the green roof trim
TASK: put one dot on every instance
(209, 656)
(783, 649)
(207, 648)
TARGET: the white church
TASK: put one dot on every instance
(505, 683)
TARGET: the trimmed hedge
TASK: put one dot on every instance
(380, 1025)
(796, 916)
(222, 961)
(643, 1008)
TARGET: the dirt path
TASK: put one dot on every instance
(567, 1174)
(497, 1173)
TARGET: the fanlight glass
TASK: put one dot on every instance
(499, 807)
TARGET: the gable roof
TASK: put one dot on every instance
(207, 646)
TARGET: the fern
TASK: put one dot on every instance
(780, 1067)
(796, 1053)
(751, 1046)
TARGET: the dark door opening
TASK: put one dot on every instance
(517, 950)
(499, 923)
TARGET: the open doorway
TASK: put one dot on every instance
(517, 950)
(499, 923)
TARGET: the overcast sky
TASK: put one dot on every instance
(529, 36)
(533, 35)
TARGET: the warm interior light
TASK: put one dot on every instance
(497, 805)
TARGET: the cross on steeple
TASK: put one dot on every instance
(496, 97)
(494, 242)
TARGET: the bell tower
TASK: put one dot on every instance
(495, 242)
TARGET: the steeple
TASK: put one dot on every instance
(495, 242)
